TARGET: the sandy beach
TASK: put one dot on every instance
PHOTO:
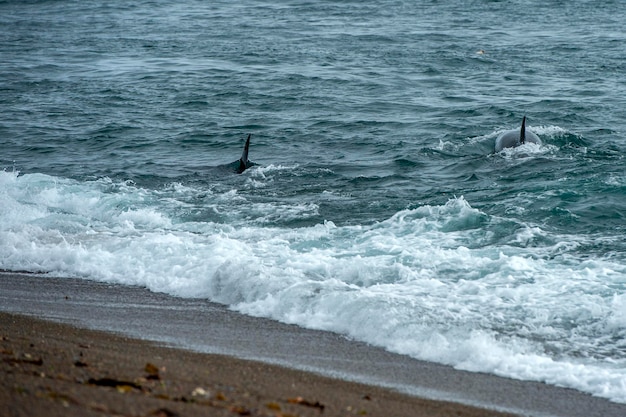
(78, 348)
(51, 369)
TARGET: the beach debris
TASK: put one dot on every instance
(353, 410)
(64, 399)
(152, 370)
(26, 359)
(302, 401)
(121, 386)
(123, 389)
(273, 406)
(200, 392)
(184, 399)
(162, 412)
(241, 410)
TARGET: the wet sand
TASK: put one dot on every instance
(207, 360)
(51, 369)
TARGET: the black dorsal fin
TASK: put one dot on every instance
(244, 155)
(522, 132)
(243, 161)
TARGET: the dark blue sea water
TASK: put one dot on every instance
(377, 208)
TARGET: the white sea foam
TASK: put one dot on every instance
(427, 282)
(550, 131)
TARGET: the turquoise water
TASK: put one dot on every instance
(377, 208)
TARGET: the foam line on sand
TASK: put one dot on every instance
(199, 337)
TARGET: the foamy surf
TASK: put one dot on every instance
(443, 283)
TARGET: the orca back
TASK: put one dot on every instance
(515, 138)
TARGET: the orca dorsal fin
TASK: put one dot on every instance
(244, 155)
(522, 132)
(243, 161)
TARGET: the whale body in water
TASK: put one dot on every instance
(514, 138)
(244, 163)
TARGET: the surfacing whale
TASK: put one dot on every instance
(244, 163)
(514, 138)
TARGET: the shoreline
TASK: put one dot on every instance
(199, 327)
(54, 369)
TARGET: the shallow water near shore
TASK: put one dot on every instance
(202, 326)
(377, 208)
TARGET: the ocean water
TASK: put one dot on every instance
(377, 207)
